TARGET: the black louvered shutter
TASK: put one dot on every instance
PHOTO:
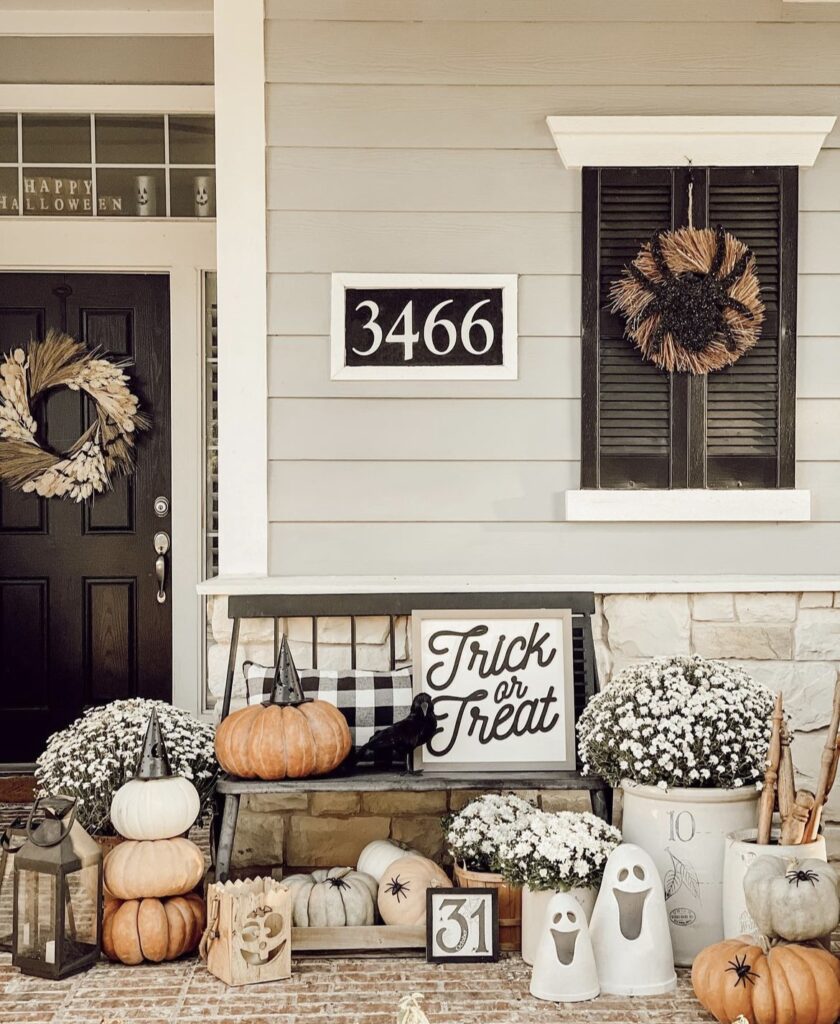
(642, 427)
(626, 401)
(750, 406)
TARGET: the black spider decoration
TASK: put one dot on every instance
(338, 883)
(398, 888)
(795, 876)
(744, 973)
(683, 309)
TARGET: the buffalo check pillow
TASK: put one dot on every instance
(368, 700)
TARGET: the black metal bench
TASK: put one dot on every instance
(229, 789)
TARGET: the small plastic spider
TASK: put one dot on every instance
(397, 888)
(795, 876)
(743, 970)
(691, 306)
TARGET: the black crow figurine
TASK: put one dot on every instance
(398, 741)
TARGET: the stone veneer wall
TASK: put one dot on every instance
(789, 641)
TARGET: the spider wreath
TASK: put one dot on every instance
(691, 299)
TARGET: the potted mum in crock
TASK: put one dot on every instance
(686, 740)
(481, 838)
(556, 852)
(96, 754)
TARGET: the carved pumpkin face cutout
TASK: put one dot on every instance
(202, 196)
(262, 938)
(564, 930)
(142, 195)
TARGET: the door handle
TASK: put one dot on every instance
(161, 542)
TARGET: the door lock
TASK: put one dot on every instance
(161, 506)
(161, 543)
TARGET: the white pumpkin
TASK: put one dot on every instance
(332, 898)
(379, 855)
(792, 899)
(155, 808)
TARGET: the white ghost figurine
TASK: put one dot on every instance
(629, 927)
(564, 966)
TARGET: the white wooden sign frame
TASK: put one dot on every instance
(508, 369)
(533, 684)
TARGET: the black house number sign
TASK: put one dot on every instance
(428, 326)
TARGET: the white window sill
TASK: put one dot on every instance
(689, 505)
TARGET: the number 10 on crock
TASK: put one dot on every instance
(423, 327)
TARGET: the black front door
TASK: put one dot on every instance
(80, 623)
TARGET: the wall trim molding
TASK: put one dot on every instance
(242, 286)
(627, 584)
(688, 505)
(668, 141)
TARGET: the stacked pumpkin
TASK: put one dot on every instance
(151, 909)
(389, 878)
(784, 975)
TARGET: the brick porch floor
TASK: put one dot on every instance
(338, 990)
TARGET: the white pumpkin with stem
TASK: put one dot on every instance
(380, 854)
(155, 804)
(332, 898)
(795, 900)
(402, 889)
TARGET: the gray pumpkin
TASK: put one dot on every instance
(792, 899)
(332, 898)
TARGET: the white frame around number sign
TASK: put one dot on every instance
(507, 370)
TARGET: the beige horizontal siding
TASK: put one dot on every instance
(411, 492)
(531, 53)
(549, 10)
(410, 136)
(610, 549)
(506, 116)
(424, 428)
(300, 368)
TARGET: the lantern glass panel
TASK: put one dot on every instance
(36, 916)
(80, 917)
(10, 842)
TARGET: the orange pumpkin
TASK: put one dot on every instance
(153, 867)
(152, 929)
(292, 741)
(787, 984)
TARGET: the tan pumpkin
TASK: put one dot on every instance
(137, 869)
(783, 984)
(273, 741)
(402, 889)
(792, 899)
(152, 929)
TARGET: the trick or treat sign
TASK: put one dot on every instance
(502, 689)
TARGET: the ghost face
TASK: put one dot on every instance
(564, 930)
(202, 197)
(262, 939)
(631, 892)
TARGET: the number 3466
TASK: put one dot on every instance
(440, 334)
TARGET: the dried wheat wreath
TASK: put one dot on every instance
(105, 449)
(691, 299)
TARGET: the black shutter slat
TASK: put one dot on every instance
(743, 401)
(634, 397)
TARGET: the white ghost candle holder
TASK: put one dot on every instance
(629, 927)
(564, 965)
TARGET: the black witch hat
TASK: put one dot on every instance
(154, 761)
(286, 689)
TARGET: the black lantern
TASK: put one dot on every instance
(57, 893)
(11, 840)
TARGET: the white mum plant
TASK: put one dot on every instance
(563, 850)
(481, 836)
(678, 721)
(97, 753)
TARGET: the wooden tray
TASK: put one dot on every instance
(359, 939)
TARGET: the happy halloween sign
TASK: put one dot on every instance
(502, 689)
